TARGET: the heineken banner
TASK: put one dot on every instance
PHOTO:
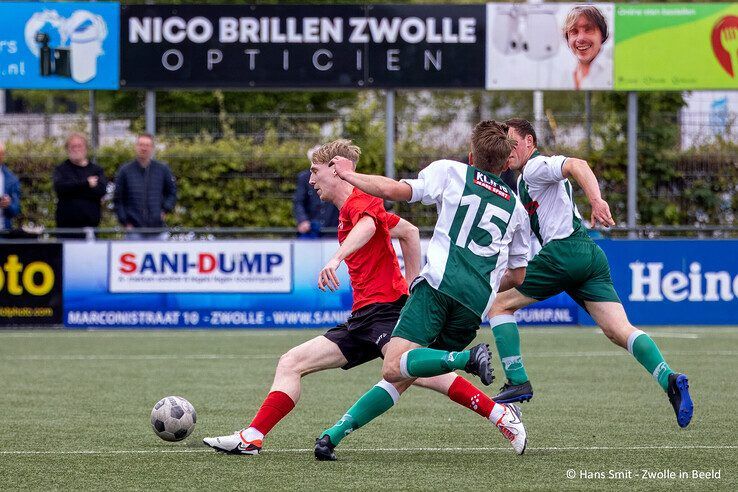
(684, 46)
(294, 46)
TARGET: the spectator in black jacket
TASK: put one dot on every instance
(145, 190)
(311, 213)
(80, 185)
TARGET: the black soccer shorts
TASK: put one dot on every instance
(366, 331)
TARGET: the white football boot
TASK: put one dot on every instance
(234, 444)
(512, 427)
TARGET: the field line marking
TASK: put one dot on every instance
(374, 450)
(137, 357)
(113, 357)
(689, 332)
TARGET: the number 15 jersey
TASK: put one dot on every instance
(482, 229)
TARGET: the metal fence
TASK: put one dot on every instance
(702, 153)
(110, 129)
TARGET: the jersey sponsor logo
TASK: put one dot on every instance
(532, 207)
(481, 179)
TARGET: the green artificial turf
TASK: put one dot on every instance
(74, 414)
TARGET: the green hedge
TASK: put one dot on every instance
(239, 182)
(226, 182)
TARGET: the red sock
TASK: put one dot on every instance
(467, 395)
(275, 407)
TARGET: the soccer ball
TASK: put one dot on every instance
(173, 418)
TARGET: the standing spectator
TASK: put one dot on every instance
(9, 193)
(80, 185)
(311, 213)
(144, 190)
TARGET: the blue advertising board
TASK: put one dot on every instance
(220, 284)
(675, 282)
(54, 45)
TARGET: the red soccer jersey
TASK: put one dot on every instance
(374, 271)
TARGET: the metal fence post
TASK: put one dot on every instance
(538, 125)
(588, 119)
(150, 112)
(632, 161)
(389, 144)
(94, 130)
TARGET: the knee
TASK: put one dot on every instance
(391, 371)
(289, 362)
(618, 334)
(610, 334)
(501, 306)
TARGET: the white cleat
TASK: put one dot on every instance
(512, 427)
(234, 444)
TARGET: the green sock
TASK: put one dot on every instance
(425, 362)
(645, 351)
(371, 405)
(507, 339)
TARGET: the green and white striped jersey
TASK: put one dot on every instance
(548, 198)
(482, 229)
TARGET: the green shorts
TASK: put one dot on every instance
(433, 319)
(575, 265)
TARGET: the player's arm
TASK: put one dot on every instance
(512, 278)
(409, 237)
(517, 260)
(379, 186)
(580, 171)
(361, 233)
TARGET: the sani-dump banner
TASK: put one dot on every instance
(220, 284)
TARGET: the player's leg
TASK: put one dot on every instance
(371, 330)
(507, 340)
(602, 302)
(380, 398)
(314, 355)
(425, 316)
(544, 278)
(458, 389)
(612, 319)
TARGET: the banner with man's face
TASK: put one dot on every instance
(563, 46)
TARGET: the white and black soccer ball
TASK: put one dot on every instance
(173, 418)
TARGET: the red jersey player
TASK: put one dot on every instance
(365, 232)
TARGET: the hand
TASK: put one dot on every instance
(601, 214)
(92, 180)
(341, 166)
(5, 201)
(129, 227)
(328, 277)
(163, 215)
(303, 227)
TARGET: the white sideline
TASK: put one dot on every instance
(137, 357)
(375, 450)
(690, 331)
(73, 357)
